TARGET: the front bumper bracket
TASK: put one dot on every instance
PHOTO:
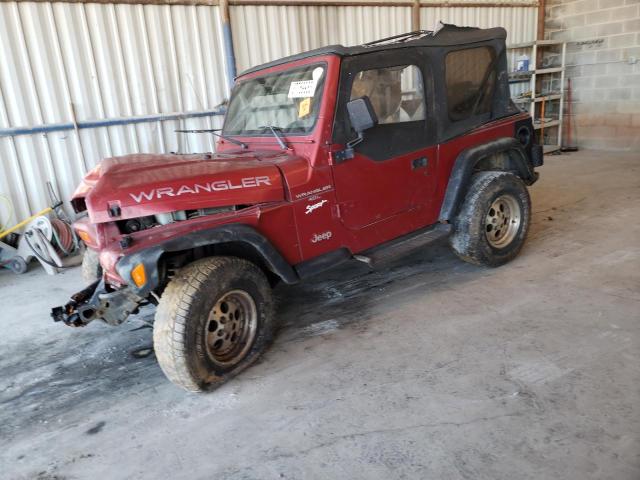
(95, 302)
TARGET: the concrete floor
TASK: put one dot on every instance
(431, 368)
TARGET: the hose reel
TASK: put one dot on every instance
(51, 241)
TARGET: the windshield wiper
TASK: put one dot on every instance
(275, 134)
(214, 132)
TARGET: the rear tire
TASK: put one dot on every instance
(91, 268)
(215, 318)
(493, 222)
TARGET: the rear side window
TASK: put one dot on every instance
(470, 80)
(396, 93)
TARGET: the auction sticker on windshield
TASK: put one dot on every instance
(302, 89)
(305, 88)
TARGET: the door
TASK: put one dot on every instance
(391, 172)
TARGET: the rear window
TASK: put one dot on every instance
(470, 80)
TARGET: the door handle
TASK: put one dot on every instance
(419, 163)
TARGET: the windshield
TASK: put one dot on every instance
(288, 101)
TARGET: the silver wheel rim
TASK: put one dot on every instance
(502, 221)
(231, 327)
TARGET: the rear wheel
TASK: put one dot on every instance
(493, 221)
(214, 319)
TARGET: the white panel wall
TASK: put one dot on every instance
(100, 62)
(265, 33)
(520, 22)
(94, 61)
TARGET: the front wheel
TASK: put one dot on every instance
(493, 222)
(214, 319)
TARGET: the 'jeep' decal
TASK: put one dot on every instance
(196, 188)
(320, 237)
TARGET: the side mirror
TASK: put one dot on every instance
(361, 114)
(362, 117)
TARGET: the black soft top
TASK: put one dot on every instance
(446, 36)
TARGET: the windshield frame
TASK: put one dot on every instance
(267, 133)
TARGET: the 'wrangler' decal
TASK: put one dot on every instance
(218, 185)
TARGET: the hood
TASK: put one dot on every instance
(138, 185)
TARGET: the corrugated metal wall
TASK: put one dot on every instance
(63, 62)
(520, 22)
(265, 33)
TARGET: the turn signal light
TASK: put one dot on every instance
(84, 236)
(138, 275)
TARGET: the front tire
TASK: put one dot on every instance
(493, 222)
(214, 319)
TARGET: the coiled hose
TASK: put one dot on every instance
(65, 237)
(64, 241)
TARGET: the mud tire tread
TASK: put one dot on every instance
(468, 240)
(173, 326)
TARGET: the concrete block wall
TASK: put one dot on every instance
(603, 59)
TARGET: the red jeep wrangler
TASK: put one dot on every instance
(327, 156)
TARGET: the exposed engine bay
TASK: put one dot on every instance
(134, 225)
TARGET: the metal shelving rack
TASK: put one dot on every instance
(532, 76)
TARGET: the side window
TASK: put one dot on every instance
(396, 93)
(470, 79)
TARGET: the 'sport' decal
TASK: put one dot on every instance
(314, 206)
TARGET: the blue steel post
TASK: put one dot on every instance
(230, 57)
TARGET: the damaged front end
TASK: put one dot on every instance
(97, 303)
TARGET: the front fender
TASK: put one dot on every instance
(236, 233)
